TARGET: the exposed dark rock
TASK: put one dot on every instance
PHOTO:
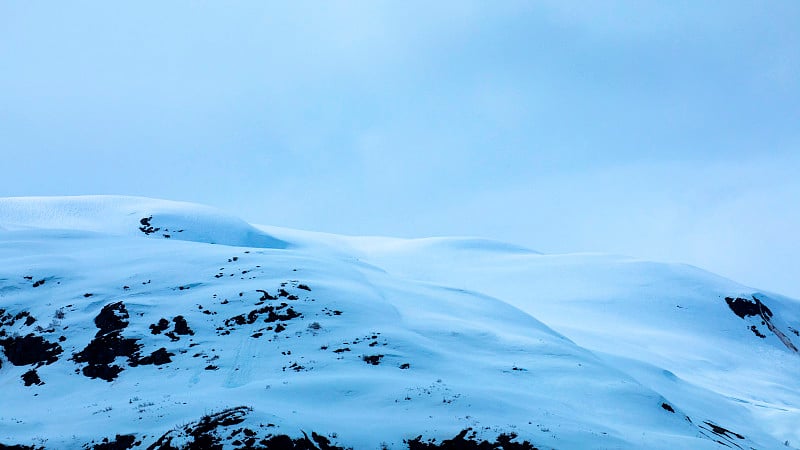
(668, 407)
(162, 325)
(120, 442)
(202, 434)
(157, 358)
(755, 308)
(101, 352)
(29, 319)
(265, 295)
(172, 336)
(19, 447)
(277, 313)
(720, 431)
(105, 372)
(464, 442)
(105, 348)
(323, 442)
(147, 228)
(112, 317)
(8, 319)
(746, 308)
(31, 377)
(296, 367)
(285, 442)
(211, 432)
(30, 349)
(372, 359)
(181, 327)
(758, 333)
(109, 344)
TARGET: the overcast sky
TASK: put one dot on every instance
(668, 130)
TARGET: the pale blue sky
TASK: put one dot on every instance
(666, 130)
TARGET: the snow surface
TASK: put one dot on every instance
(387, 339)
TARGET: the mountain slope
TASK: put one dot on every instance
(702, 329)
(234, 336)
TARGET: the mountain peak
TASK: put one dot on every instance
(122, 215)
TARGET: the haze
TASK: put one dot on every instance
(664, 130)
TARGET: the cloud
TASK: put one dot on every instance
(631, 127)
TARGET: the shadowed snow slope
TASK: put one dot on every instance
(114, 336)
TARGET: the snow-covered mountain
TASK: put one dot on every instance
(138, 323)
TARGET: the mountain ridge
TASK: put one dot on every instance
(336, 342)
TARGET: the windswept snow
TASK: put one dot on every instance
(126, 216)
(227, 335)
